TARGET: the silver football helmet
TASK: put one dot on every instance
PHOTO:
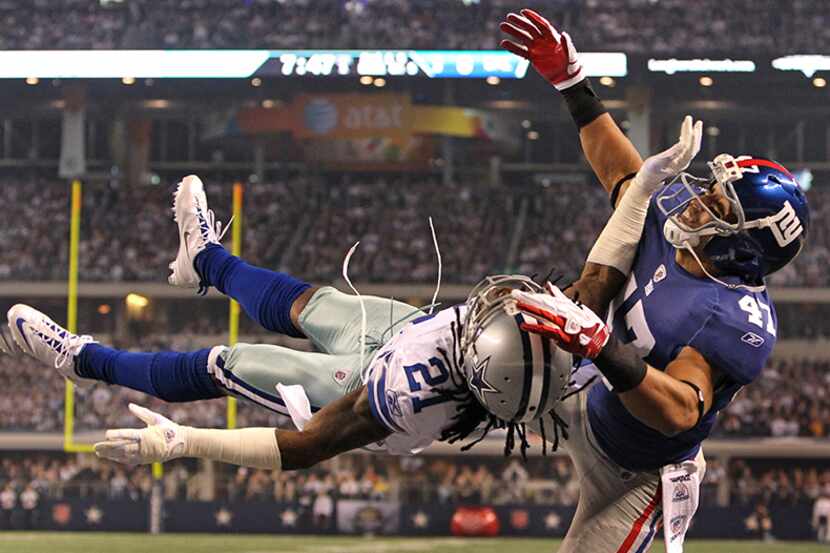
(516, 375)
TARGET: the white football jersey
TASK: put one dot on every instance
(405, 376)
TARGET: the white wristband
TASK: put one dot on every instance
(617, 244)
(248, 447)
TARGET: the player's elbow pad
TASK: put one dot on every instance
(247, 447)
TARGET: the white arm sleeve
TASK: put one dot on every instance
(248, 447)
(617, 244)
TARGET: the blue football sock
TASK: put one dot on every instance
(266, 296)
(166, 375)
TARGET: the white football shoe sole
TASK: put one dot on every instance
(197, 229)
(42, 338)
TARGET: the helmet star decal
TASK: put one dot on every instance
(478, 381)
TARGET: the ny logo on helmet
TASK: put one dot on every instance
(785, 225)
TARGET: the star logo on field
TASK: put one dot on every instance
(94, 515)
(420, 520)
(478, 381)
(223, 517)
(552, 521)
(288, 518)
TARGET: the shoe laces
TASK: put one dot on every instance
(219, 230)
(64, 342)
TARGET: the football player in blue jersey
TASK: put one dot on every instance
(691, 325)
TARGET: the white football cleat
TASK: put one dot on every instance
(45, 340)
(197, 229)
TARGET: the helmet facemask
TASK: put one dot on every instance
(487, 298)
(673, 205)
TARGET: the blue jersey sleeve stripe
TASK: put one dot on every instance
(382, 401)
(377, 403)
(373, 407)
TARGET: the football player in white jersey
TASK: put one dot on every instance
(384, 373)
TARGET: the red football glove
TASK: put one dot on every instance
(573, 327)
(552, 54)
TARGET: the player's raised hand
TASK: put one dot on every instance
(551, 53)
(161, 441)
(573, 326)
(668, 164)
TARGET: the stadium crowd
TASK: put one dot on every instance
(636, 26)
(306, 225)
(464, 480)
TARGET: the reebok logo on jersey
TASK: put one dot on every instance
(752, 339)
(392, 402)
(659, 274)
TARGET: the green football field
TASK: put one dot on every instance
(13, 542)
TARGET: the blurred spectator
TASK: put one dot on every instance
(8, 501)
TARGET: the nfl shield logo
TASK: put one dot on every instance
(681, 493)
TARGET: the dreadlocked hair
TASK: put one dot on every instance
(471, 414)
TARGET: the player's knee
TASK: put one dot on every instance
(299, 304)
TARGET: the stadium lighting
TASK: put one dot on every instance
(380, 82)
(32, 80)
(607, 81)
(493, 80)
(256, 81)
(137, 301)
(128, 80)
(819, 82)
(712, 131)
(706, 81)
(366, 80)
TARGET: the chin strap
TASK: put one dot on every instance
(747, 287)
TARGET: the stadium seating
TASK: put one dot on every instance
(306, 225)
(636, 26)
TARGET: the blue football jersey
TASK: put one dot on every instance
(663, 309)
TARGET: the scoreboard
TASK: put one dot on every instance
(391, 63)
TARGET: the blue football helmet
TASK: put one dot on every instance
(767, 224)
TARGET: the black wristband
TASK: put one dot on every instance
(583, 103)
(615, 192)
(621, 365)
(701, 406)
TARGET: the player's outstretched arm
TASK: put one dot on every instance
(610, 153)
(613, 253)
(670, 402)
(341, 426)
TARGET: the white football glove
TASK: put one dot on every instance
(161, 441)
(666, 165)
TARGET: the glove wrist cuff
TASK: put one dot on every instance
(621, 365)
(583, 103)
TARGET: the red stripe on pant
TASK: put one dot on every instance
(638, 524)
